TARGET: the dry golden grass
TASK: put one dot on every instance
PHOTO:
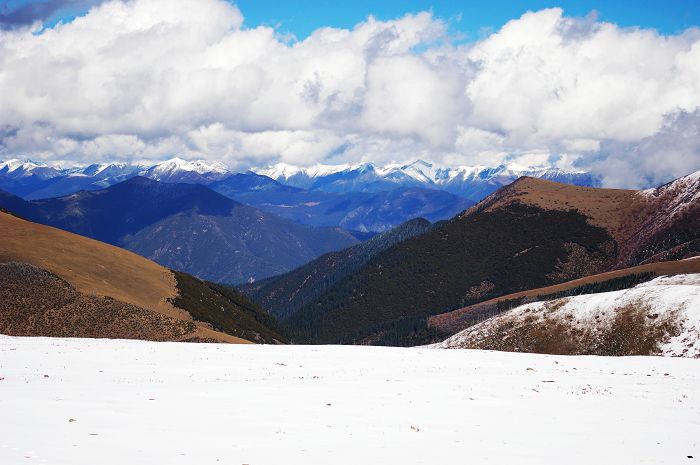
(93, 267)
(616, 210)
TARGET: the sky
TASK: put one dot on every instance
(472, 19)
(609, 87)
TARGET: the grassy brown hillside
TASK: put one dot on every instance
(92, 271)
(648, 226)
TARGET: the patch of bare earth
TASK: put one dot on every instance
(633, 330)
(34, 302)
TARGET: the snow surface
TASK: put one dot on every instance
(83, 401)
(670, 297)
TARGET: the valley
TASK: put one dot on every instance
(414, 284)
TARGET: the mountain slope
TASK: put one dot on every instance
(532, 233)
(465, 260)
(52, 277)
(457, 320)
(354, 211)
(283, 295)
(659, 317)
(188, 227)
(651, 225)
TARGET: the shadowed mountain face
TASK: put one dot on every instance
(283, 295)
(354, 211)
(466, 260)
(188, 227)
(111, 214)
(532, 233)
(55, 283)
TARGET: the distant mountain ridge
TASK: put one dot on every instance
(471, 182)
(186, 227)
(34, 180)
(353, 211)
(362, 212)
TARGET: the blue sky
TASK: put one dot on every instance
(472, 18)
(475, 17)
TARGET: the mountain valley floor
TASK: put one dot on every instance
(86, 401)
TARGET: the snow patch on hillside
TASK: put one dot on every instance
(667, 299)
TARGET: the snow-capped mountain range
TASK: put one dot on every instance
(35, 180)
(472, 182)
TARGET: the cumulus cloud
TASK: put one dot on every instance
(670, 153)
(149, 79)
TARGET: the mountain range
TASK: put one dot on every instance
(361, 198)
(354, 211)
(34, 180)
(187, 227)
(529, 234)
(531, 241)
(470, 182)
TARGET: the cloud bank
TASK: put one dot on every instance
(151, 79)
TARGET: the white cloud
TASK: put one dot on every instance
(672, 152)
(149, 79)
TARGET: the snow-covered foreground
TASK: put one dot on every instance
(73, 401)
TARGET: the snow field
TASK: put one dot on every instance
(87, 401)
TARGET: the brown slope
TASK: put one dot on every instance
(648, 226)
(92, 267)
(130, 282)
(612, 209)
(531, 234)
(37, 302)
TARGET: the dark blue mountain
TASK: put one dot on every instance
(354, 211)
(187, 227)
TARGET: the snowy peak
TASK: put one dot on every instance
(111, 169)
(197, 166)
(16, 168)
(191, 171)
